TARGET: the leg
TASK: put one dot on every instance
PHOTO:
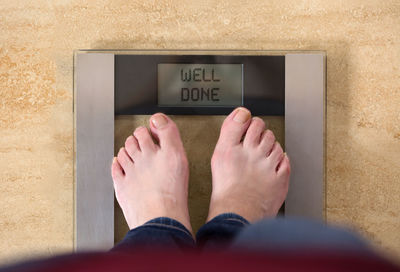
(220, 231)
(296, 234)
(250, 176)
(161, 232)
(151, 185)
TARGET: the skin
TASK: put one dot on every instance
(250, 176)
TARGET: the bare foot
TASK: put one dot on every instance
(249, 177)
(151, 180)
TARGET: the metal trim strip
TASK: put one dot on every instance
(305, 133)
(94, 150)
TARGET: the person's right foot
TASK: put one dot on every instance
(151, 179)
(249, 177)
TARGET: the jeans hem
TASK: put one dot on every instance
(179, 226)
(231, 217)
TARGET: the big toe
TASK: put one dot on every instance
(166, 131)
(234, 126)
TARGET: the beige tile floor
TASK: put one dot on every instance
(37, 38)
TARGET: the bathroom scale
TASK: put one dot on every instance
(116, 91)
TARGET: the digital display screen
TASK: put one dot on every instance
(192, 85)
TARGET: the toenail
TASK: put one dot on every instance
(159, 121)
(242, 116)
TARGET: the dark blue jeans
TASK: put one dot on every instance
(229, 232)
(234, 232)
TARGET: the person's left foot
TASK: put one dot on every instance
(151, 180)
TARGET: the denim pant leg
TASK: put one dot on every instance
(159, 232)
(285, 233)
(220, 231)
